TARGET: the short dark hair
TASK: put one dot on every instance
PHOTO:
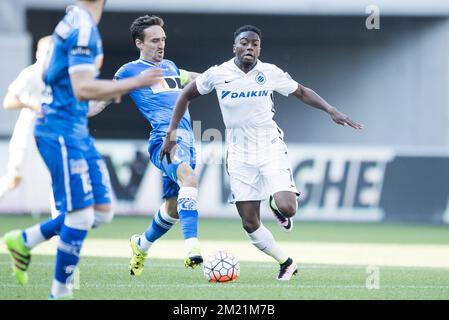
(247, 28)
(141, 23)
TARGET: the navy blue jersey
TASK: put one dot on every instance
(76, 46)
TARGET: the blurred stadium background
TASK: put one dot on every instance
(383, 190)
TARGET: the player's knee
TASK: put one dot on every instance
(288, 209)
(250, 225)
(103, 216)
(80, 219)
(187, 176)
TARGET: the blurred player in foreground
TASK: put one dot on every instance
(180, 182)
(80, 180)
(257, 154)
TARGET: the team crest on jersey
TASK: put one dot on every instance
(166, 84)
(260, 78)
(187, 204)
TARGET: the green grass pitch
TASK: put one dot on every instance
(108, 278)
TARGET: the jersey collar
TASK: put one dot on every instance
(235, 68)
(150, 63)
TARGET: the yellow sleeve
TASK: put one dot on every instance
(184, 77)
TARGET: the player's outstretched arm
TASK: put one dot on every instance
(192, 76)
(11, 101)
(18, 95)
(311, 98)
(188, 93)
(87, 87)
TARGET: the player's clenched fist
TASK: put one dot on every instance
(168, 147)
(149, 77)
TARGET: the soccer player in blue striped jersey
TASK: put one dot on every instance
(79, 177)
(156, 103)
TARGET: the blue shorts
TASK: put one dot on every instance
(79, 175)
(185, 153)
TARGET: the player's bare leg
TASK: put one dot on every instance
(171, 206)
(103, 214)
(284, 205)
(249, 211)
(263, 239)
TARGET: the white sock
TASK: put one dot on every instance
(190, 193)
(34, 236)
(60, 290)
(263, 240)
(144, 245)
(165, 215)
(190, 243)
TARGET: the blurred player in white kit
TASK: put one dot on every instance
(24, 93)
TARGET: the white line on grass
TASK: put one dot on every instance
(155, 264)
(238, 286)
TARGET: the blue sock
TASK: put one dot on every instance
(189, 223)
(158, 228)
(188, 213)
(39, 233)
(161, 223)
(53, 227)
(68, 254)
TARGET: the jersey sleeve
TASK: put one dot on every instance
(183, 74)
(20, 85)
(82, 49)
(205, 82)
(283, 83)
(120, 74)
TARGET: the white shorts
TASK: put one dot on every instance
(254, 177)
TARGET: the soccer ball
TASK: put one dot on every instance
(221, 267)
